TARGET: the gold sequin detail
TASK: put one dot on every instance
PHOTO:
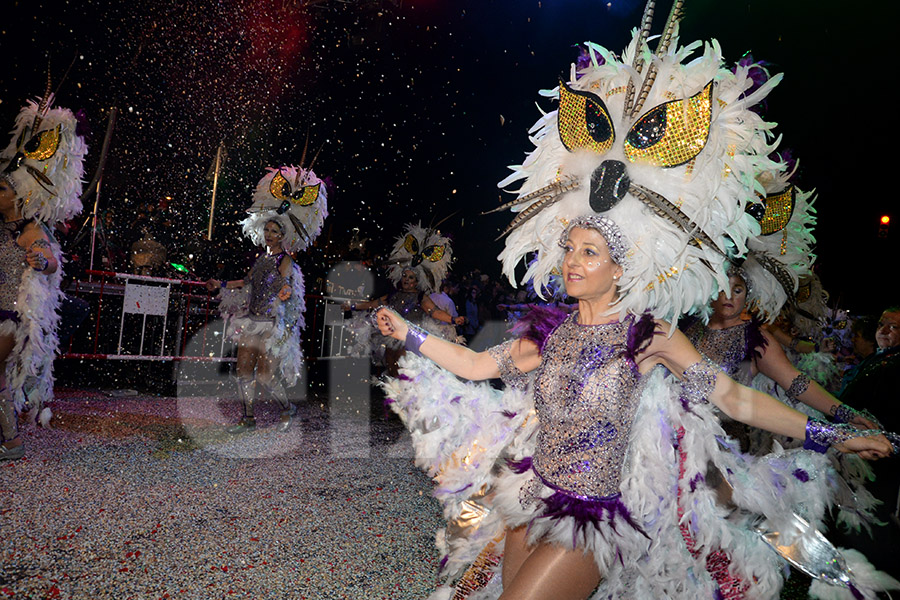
(584, 121)
(672, 133)
(664, 276)
(481, 572)
(410, 244)
(48, 144)
(276, 186)
(616, 90)
(433, 253)
(779, 208)
(310, 194)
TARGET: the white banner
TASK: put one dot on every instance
(146, 299)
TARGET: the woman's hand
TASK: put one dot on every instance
(285, 293)
(459, 320)
(869, 448)
(36, 260)
(213, 285)
(391, 324)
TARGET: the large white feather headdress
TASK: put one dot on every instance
(44, 162)
(296, 199)
(783, 251)
(426, 252)
(667, 148)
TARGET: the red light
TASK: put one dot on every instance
(885, 220)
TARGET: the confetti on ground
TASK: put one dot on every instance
(148, 498)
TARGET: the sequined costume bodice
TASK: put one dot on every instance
(12, 264)
(408, 305)
(727, 348)
(584, 393)
(267, 281)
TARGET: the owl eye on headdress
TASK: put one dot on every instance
(782, 253)
(44, 162)
(662, 143)
(295, 198)
(424, 251)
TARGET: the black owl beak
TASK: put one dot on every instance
(609, 184)
(416, 260)
(285, 205)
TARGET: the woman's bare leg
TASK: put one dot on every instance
(515, 551)
(552, 573)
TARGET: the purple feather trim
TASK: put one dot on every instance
(403, 377)
(755, 340)
(538, 323)
(519, 466)
(640, 334)
(801, 475)
(588, 513)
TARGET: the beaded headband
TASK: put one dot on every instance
(615, 241)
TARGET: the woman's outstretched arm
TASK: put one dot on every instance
(748, 405)
(774, 364)
(457, 359)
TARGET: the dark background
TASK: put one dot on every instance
(418, 106)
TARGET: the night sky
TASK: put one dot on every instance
(418, 106)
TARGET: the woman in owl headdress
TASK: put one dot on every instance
(636, 192)
(418, 264)
(265, 308)
(760, 286)
(736, 338)
(40, 185)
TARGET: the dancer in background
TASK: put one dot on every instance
(418, 264)
(40, 185)
(265, 309)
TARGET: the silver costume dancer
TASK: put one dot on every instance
(265, 308)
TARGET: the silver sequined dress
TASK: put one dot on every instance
(266, 281)
(727, 348)
(12, 266)
(584, 393)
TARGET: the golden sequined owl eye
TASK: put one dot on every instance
(306, 195)
(279, 187)
(672, 133)
(411, 244)
(779, 208)
(43, 145)
(433, 253)
(584, 121)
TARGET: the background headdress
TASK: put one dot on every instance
(44, 162)
(783, 251)
(426, 252)
(295, 198)
(667, 148)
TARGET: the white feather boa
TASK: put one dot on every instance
(464, 432)
(282, 337)
(29, 369)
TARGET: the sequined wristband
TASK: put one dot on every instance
(798, 386)
(817, 438)
(414, 338)
(844, 414)
(43, 263)
(821, 435)
(697, 382)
